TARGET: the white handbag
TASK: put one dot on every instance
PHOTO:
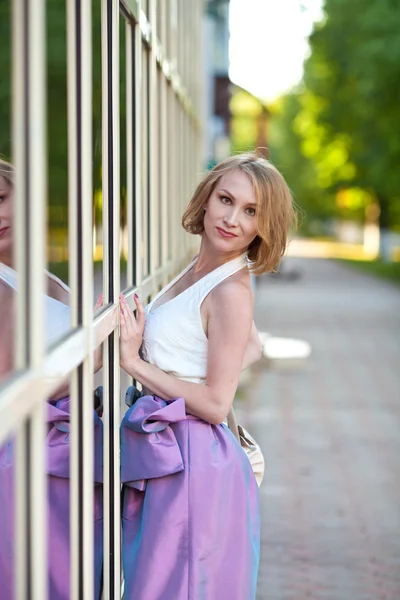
(249, 445)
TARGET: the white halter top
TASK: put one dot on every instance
(57, 314)
(174, 338)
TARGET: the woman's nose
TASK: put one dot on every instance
(232, 218)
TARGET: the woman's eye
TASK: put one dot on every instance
(225, 199)
(251, 212)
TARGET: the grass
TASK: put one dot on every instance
(389, 271)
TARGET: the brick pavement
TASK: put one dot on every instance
(329, 427)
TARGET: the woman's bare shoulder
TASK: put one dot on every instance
(227, 299)
(238, 284)
(235, 289)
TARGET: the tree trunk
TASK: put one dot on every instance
(384, 232)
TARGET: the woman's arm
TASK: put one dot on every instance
(63, 390)
(6, 329)
(228, 326)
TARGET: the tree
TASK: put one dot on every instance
(351, 101)
(299, 171)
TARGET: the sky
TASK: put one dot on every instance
(268, 43)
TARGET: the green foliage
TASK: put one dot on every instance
(247, 112)
(351, 101)
(289, 157)
(57, 151)
(377, 268)
(336, 138)
(5, 79)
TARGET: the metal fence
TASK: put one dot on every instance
(163, 161)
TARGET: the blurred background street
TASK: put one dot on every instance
(329, 428)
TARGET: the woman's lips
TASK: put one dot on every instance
(225, 234)
(3, 231)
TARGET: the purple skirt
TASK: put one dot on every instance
(58, 490)
(191, 526)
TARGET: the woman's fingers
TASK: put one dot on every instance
(131, 320)
(131, 332)
(140, 317)
(128, 313)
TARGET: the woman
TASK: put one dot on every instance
(191, 506)
(57, 314)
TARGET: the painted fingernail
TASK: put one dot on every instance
(136, 296)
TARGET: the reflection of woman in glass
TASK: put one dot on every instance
(191, 506)
(57, 314)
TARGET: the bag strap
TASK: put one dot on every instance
(232, 424)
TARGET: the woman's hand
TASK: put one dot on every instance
(131, 330)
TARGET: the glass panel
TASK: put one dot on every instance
(7, 297)
(57, 150)
(97, 148)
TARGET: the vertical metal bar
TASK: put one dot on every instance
(185, 160)
(130, 151)
(174, 34)
(145, 159)
(184, 31)
(189, 151)
(75, 440)
(29, 148)
(152, 144)
(175, 44)
(38, 504)
(177, 175)
(20, 51)
(184, 168)
(138, 94)
(22, 537)
(173, 171)
(164, 174)
(80, 232)
(181, 168)
(183, 172)
(111, 281)
(159, 144)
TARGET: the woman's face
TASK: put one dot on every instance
(6, 198)
(230, 216)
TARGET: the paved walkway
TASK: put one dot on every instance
(330, 429)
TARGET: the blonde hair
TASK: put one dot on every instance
(275, 214)
(7, 171)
